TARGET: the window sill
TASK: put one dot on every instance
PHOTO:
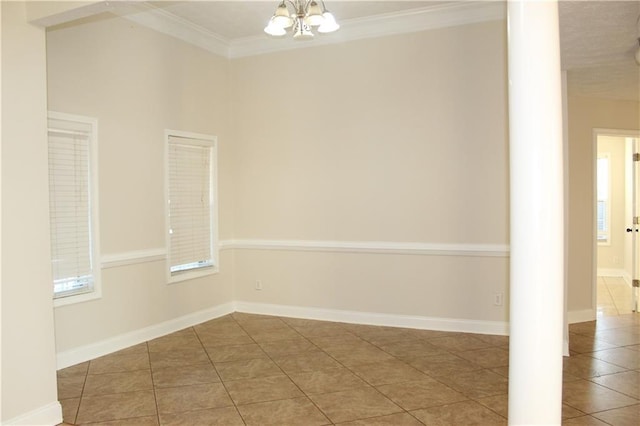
(78, 298)
(191, 275)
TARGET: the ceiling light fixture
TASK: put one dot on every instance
(306, 15)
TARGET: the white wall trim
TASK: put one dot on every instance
(122, 341)
(610, 272)
(165, 22)
(50, 414)
(413, 20)
(132, 257)
(371, 318)
(375, 247)
(581, 316)
(419, 19)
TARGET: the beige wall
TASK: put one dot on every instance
(137, 83)
(395, 139)
(585, 114)
(612, 255)
(28, 348)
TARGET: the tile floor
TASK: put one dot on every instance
(245, 369)
(614, 296)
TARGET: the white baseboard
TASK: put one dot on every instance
(50, 414)
(581, 316)
(610, 272)
(370, 318)
(104, 347)
(565, 348)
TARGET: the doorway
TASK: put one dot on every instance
(615, 196)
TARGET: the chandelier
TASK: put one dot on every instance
(306, 14)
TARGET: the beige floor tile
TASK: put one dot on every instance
(477, 384)
(583, 421)
(459, 343)
(361, 356)
(459, 414)
(421, 394)
(173, 359)
(325, 381)
(212, 340)
(494, 340)
(185, 375)
(625, 416)
(288, 347)
(443, 364)
(228, 416)
(264, 336)
(262, 389)
(220, 329)
(75, 370)
(386, 372)
(134, 421)
(569, 412)
(140, 348)
(194, 397)
(584, 344)
(627, 383)
(70, 409)
(400, 419)
(307, 361)
(620, 337)
(180, 341)
(271, 323)
(287, 412)
(116, 363)
(585, 366)
(411, 349)
(235, 352)
(70, 386)
(354, 404)
(108, 383)
(116, 406)
(496, 403)
(590, 397)
(247, 369)
(624, 357)
(487, 358)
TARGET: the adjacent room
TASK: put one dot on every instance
(259, 226)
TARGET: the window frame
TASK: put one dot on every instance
(93, 197)
(607, 202)
(211, 142)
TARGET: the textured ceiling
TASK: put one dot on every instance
(598, 41)
(598, 38)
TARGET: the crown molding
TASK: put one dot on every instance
(160, 20)
(414, 20)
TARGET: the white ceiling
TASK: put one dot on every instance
(598, 38)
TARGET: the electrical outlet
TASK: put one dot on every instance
(258, 285)
(498, 299)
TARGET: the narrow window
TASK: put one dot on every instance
(191, 205)
(72, 207)
(603, 203)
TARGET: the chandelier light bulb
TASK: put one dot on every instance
(307, 14)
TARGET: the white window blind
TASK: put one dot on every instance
(70, 206)
(190, 200)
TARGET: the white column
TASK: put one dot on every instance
(536, 180)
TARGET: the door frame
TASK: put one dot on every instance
(629, 133)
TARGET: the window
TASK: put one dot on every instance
(603, 209)
(72, 207)
(191, 205)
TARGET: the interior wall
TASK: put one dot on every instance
(393, 140)
(585, 114)
(611, 256)
(137, 83)
(28, 346)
